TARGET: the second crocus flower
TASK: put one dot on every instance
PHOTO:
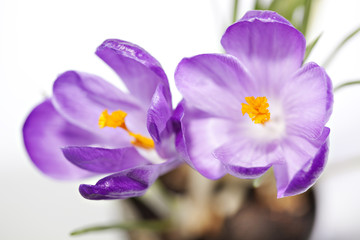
(256, 106)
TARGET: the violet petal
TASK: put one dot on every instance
(245, 158)
(214, 83)
(159, 112)
(200, 134)
(270, 48)
(307, 101)
(45, 132)
(82, 97)
(304, 162)
(330, 97)
(265, 16)
(128, 183)
(140, 72)
(307, 176)
(159, 123)
(102, 160)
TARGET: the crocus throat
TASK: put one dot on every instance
(117, 119)
(257, 109)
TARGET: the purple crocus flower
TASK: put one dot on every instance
(256, 106)
(90, 127)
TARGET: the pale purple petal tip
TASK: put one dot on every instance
(102, 160)
(45, 132)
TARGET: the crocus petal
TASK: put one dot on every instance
(128, 183)
(330, 97)
(267, 45)
(200, 135)
(159, 123)
(307, 101)
(140, 71)
(244, 158)
(159, 112)
(82, 97)
(304, 162)
(214, 83)
(102, 160)
(45, 131)
(265, 16)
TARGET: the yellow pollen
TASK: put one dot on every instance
(257, 109)
(117, 119)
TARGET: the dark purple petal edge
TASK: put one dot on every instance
(128, 183)
(159, 113)
(180, 139)
(307, 176)
(246, 173)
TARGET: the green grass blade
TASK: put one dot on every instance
(148, 225)
(338, 48)
(310, 47)
(235, 11)
(346, 84)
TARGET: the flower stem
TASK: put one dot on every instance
(161, 225)
(346, 84)
(235, 11)
(305, 22)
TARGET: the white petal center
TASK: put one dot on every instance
(274, 129)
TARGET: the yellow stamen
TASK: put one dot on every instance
(257, 109)
(117, 119)
(142, 141)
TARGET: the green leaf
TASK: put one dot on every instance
(286, 8)
(158, 226)
(259, 5)
(338, 48)
(235, 11)
(306, 16)
(310, 47)
(346, 84)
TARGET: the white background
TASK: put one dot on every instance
(40, 39)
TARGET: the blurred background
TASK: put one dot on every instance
(40, 39)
